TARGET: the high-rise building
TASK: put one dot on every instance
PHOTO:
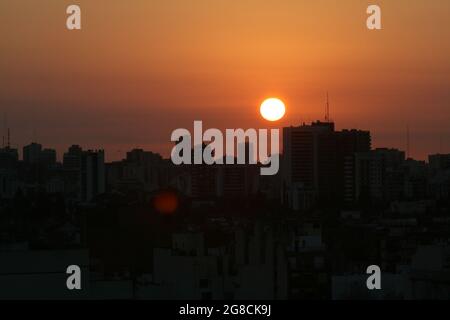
(92, 174)
(314, 161)
(140, 170)
(32, 153)
(300, 150)
(8, 172)
(84, 173)
(72, 158)
(439, 176)
(9, 153)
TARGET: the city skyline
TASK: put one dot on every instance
(123, 154)
(178, 153)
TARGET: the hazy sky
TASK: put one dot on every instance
(139, 69)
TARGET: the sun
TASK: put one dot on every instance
(272, 109)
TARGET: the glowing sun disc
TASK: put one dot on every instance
(272, 109)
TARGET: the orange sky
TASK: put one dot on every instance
(140, 69)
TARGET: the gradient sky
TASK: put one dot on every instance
(139, 69)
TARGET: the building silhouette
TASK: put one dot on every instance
(314, 159)
(84, 173)
(92, 174)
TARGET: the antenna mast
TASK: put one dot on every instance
(327, 111)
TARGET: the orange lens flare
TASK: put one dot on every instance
(166, 202)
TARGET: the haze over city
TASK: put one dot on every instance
(135, 72)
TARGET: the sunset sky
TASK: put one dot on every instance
(140, 69)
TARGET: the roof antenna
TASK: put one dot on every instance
(327, 111)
